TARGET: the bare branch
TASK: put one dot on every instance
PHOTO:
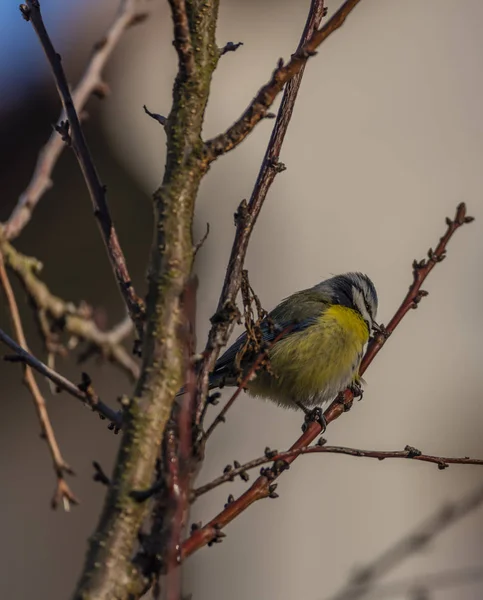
(109, 571)
(91, 399)
(230, 47)
(62, 492)
(157, 117)
(129, 12)
(182, 37)
(245, 219)
(278, 457)
(71, 131)
(261, 487)
(76, 321)
(258, 108)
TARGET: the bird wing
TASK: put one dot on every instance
(269, 330)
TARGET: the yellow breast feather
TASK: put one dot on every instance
(312, 366)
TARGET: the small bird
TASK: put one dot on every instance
(327, 327)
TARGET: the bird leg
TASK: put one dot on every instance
(313, 415)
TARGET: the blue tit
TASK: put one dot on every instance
(328, 327)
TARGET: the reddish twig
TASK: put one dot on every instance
(265, 97)
(89, 398)
(273, 456)
(62, 492)
(179, 444)
(90, 83)
(246, 217)
(71, 132)
(261, 487)
(220, 417)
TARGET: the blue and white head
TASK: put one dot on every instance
(356, 291)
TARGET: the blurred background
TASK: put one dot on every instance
(385, 141)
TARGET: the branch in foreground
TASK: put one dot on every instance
(261, 487)
(246, 217)
(279, 458)
(265, 97)
(109, 571)
(88, 397)
(72, 133)
(128, 14)
(62, 492)
(76, 321)
(363, 580)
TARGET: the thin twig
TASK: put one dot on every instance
(62, 492)
(76, 321)
(179, 451)
(230, 47)
(361, 583)
(273, 456)
(91, 399)
(156, 116)
(261, 487)
(72, 133)
(258, 107)
(245, 219)
(129, 12)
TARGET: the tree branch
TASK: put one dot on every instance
(62, 492)
(71, 132)
(245, 219)
(128, 14)
(87, 397)
(76, 321)
(280, 457)
(265, 97)
(182, 37)
(108, 571)
(261, 487)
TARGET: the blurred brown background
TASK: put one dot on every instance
(385, 140)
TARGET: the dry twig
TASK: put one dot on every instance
(129, 13)
(72, 134)
(262, 487)
(88, 396)
(76, 321)
(279, 458)
(246, 217)
(62, 492)
(258, 107)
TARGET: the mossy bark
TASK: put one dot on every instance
(108, 571)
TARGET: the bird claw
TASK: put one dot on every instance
(356, 390)
(314, 415)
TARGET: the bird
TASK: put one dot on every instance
(314, 342)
